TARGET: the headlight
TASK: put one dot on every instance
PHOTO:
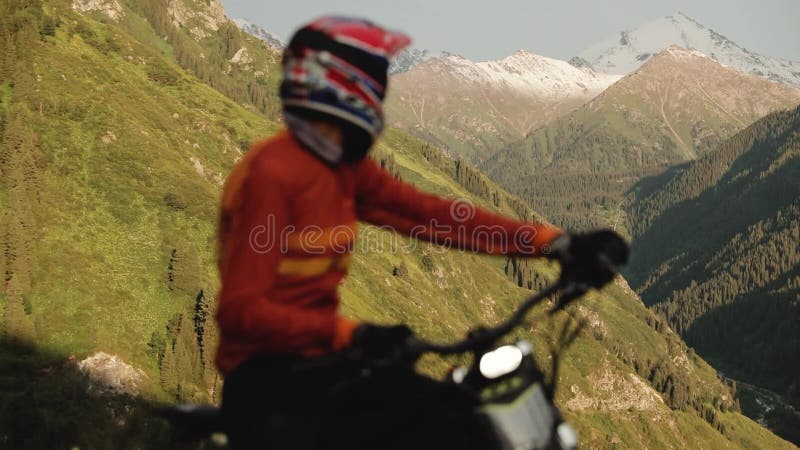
(567, 437)
(500, 361)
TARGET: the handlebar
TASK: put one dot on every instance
(487, 336)
(569, 289)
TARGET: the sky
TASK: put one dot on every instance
(491, 29)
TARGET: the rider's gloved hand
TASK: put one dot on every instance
(379, 341)
(589, 258)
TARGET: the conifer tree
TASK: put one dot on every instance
(187, 354)
(168, 370)
(184, 271)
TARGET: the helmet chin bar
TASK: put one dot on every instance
(353, 146)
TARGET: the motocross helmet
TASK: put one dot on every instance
(335, 69)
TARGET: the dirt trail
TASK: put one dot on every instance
(711, 99)
(419, 115)
(687, 152)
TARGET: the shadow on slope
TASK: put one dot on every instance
(751, 325)
(47, 402)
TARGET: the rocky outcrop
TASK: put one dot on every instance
(242, 57)
(110, 373)
(614, 391)
(110, 8)
(199, 17)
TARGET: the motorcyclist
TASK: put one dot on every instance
(288, 223)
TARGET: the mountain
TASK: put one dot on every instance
(408, 59)
(472, 108)
(201, 39)
(715, 251)
(678, 105)
(404, 62)
(113, 151)
(625, 52)
(259, 32)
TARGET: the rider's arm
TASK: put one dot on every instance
(386, 201)
(249, 269)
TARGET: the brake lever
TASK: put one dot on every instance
(571, 291)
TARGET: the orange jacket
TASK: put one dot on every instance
(287, 229)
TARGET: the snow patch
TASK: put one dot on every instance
(526, 73)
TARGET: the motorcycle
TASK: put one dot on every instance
(503, 400)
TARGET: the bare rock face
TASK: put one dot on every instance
(622, 283)
(110, 373)
(110, 8)
(615, 391)
(242, 57)
(200, 17)
(109, 137)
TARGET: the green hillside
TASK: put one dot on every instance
(113, 154)
(677, 106)
(729, 278)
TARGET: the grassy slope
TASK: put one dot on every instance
(466, 289)
(100, 197)
(106, 232)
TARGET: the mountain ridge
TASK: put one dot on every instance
(470, 108)
(678, 105)
(411, 58)
(260, 32)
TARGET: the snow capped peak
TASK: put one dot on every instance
(682, 16)
(522, 53)
(454, 57)
(525, 58)
(629, 49)
(524, 72)
(259, 32)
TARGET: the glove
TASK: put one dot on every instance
(591, 258)
(378, 341)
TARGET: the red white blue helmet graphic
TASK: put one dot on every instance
(338, 66)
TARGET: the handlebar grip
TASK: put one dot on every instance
(612, 249)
